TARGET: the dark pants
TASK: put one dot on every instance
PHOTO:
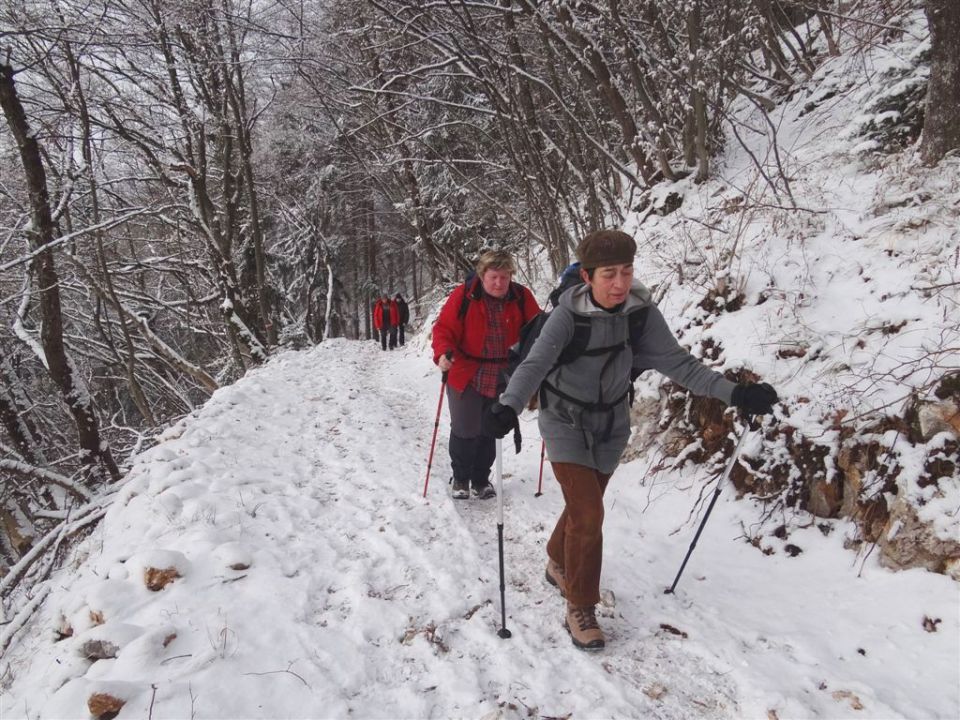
(576, 544)
(401, 333)
(393, 338)
(384, 336)
(471, 452)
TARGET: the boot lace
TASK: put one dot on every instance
(586, 618)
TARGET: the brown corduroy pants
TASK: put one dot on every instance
(576, 544)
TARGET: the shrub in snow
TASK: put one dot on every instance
(892, 118)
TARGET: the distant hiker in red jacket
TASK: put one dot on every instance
(404, 314)
(394, 322)
(479, 322)
(382, 320)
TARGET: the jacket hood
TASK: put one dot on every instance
(577, 300)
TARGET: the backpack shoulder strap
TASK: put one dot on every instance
(520, 295)
(636, 323)
(469, 286)
(578, 343)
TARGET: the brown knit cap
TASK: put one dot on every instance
(606, 247)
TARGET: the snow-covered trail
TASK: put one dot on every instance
(361, 598)
(316, 582)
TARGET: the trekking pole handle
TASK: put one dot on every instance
(443, 376)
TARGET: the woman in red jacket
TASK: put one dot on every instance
(477, 325)
(382, 320)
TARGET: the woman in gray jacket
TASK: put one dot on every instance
(584, 409)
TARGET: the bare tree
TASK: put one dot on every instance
(941, 124)
(94, 452)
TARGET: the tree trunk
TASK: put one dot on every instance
(697, 99)
(941, 124)
(94, 452)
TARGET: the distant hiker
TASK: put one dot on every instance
(382, 320)
(404, 311)
(584, 407)
(394, 321)
(479, 321)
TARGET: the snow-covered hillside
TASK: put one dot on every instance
(316, 582)
(827, 263)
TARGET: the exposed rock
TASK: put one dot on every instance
(63, 629)
(871, 515)
(103, 706)
(99, 650)
(157, 579)
(938, 417)
(852, 480)
(909, 542)
(826, 498)
(670, 203)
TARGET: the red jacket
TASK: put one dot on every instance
(378, 316)
(394, 313)
(464, 336)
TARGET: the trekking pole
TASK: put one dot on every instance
(436, 424)
(543, 450)
(503, 632)
(723, 479)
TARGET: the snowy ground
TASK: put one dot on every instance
(362, 599)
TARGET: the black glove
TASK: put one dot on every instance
(498, 420)
(754, 398)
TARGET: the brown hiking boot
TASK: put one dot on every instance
(554, 575)
(581, 623)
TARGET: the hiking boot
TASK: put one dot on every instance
(581, 623)
(554, 575)
(484, 490)
(461, 489)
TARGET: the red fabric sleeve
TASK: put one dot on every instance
(448, 329)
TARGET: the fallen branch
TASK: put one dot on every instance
(54, 537)
(275, 672)
(21, 617)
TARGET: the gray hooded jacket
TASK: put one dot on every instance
(584, 436)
